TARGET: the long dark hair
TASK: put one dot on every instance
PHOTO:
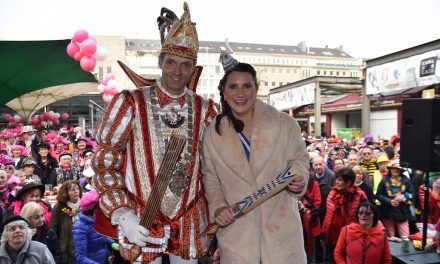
(226, 109)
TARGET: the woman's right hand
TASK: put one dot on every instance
(223, 216)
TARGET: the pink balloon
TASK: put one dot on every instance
(107, 98)
(114, 91)
(93, 39)
(56, 122)
(80, 35)
(41, 117)
(65, 116)
(88, 63)
(110, 76)
(78, 56)
(88, 47)
(22, 120)
(72, 49)
(8, 116)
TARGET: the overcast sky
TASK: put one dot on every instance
(367, 29)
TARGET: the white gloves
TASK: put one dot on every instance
(129, 223)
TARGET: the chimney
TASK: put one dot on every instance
(302, 46)
(340, 48)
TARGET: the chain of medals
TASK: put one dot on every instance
(180, 179)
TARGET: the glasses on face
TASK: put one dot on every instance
(366, 153)
(8, 168)
(89, 155)
(365, 213)
(16, 227)
(333, 154)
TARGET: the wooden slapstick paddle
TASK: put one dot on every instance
(171, 157)
(258, 197)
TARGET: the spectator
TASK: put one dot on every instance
(331, 157)
(434, 200)
(78, 153)
(90, 246)
(46, 164)
(378, 175)
(326, 180)
(361, 176)
(352, 160)
(342, 203)
(310, 217)
(17, 247)
(18, 154)
(8, 167)
(34, 214)
(338, 163)
(363, 241)
(31, 192)
(61, 145)
(30, 140)
(395, 193)
(67, 170)
(368, 163)
(64, 214)
(5, 199)
(28, 166)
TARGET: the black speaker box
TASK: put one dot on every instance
(420, 134)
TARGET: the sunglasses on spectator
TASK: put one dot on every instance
(9, 168)
(365, 213)
(366, 153)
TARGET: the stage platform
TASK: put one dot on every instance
(413, 256)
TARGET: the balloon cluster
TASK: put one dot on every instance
(108, 88)
(84, 49)
(45, 120)
(15, 120)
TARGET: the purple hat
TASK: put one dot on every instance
(6, 160)
(89, 200)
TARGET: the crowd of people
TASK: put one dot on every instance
(357, 173)
(131, 191)
(46, 184)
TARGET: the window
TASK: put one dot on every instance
(280, 70)
(273, 70)
(109, 69)
(318, 72)
(273, 84)
(337, 73)
(287, 71)
(266, 83)
(101, 74)
(281, 83)
(325, 72)
(343, 73)
(217, 69)
(331, 73)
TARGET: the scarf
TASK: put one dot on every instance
(4, 197)
(374, 234)
(342, 198)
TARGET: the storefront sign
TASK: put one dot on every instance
(293, 97)
(416, 71)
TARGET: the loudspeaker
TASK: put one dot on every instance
(420, 134)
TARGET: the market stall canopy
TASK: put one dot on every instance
(34, 74)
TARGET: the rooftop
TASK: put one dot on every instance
(217, 46)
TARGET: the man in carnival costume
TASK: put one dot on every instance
(132, 141)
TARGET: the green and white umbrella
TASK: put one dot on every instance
(34, 74)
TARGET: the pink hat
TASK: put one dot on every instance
(89, 200)
(22, 149)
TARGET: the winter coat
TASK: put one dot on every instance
(341, 208)
(356, 245)
(33, 252)
(62, 224)
(434, 204)
(90, 246)
(272, 232)
(402, 212)
(50, 239)
(45, 170)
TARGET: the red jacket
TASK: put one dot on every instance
(347, 203)
(434, 204)
(362, 246)
(312, 229)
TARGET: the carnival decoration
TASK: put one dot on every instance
(108, 88)
(14, 121)
(83, 48)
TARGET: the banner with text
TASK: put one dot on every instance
(293, 97)
(416, 71)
